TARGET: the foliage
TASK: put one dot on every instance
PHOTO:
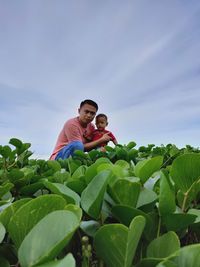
(123, 207)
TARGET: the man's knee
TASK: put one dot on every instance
(77, 145)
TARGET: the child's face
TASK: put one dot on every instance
(101, 123)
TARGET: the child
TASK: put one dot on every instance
(101, 123)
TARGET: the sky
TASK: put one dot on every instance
(138, 59)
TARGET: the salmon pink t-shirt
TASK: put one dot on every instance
(72, 131)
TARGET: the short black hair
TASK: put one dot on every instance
(89, 102)
(101, 115)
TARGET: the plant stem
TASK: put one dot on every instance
(101, 263)
(184, 201)
(159, 225)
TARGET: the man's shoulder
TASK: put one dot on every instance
(72, 121)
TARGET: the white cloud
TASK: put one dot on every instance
(138, 60)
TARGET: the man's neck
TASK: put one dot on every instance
(84, 125)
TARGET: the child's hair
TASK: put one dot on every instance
(100, 116)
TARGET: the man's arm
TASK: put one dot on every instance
(94, 144)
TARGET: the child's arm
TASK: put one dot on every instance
(114, 140)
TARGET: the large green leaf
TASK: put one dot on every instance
(163, 246)
(125, 215)
(116, 244)
(185, 170)
(91, 171)
(47, 238)
(189, 256)
(6, 214)
(30, 213)
(145, 168)
(61, 189)
(67, 261)
(92, 196)
(167, 202)
(125, 192)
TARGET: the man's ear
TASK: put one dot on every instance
(79, 111)
(106, 123)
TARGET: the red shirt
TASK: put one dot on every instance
(96, 134)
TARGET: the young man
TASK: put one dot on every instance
(72, 138)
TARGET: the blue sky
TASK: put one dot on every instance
(140, 60)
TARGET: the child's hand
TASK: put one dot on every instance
(102, 149)
(106, 137)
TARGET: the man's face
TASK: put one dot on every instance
(86, 114)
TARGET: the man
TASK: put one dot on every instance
(72, 138)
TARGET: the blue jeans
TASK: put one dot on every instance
(69, 149)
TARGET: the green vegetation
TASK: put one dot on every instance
(124, 207)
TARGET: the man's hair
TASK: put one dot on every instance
(89, 102)
(101, 115)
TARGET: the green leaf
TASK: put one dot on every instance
(2, 232)
(116, 244)
(75, 209)
(166, 263)
(90, 227)
(5, 188)
(67, 261)
(195, 212)
(145, 168)
(178, 221)
(92, 196)
(39, 246)
(15, 174)
(7, 213)
(54, 164)
(77, 185)
(20, 224)
(146, 197)
(125, 192)
(61, 189)
(131, 145)
(148, 262)
(188, 256)
(5, 151)
(167, 202)
(16, 142)
(91, 171)
(122, 163)
(28, 190)
(4, 262)
(125, 215)
(163, 246)
(80, 172)
(185, 170)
